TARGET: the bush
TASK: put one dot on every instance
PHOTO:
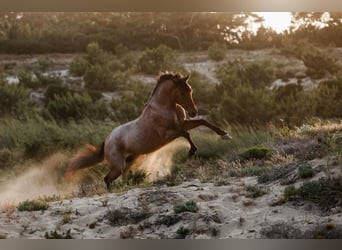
(289, 192)
(305, 171)
(6, 158)
(79, 66)
(26, 79)
(100, 77)
(32, 205)
(216, 52)
(132, 103)
(319, 63)
(189, 206)
(158, 59)
(236, 73)
(255, 191)
(182, 232)
(245, 105)
(95, 55)
(11, 98)
(255, 153)
(44, 62)
(70, 106)
(57, 235)
(135, 178)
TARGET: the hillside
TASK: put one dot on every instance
(280, 177)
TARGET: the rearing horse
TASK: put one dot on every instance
(162, 120)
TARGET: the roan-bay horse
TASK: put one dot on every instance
(162, 120)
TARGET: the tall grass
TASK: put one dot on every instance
(38, 137)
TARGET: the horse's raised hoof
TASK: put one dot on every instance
(226, 137)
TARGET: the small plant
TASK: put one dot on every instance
(255, 153)
(189, 206)
(79, 66)
(182, 232)
(44, 62)
(255, 191)
(32, 205)
(216, 52)
(305, 171)
(289, 192)
(135, 178)
(57, 235)
(67, 216)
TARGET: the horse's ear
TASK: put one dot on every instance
(186, 78)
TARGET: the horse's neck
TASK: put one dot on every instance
(163, 98)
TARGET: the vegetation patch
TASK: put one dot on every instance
(182, 232)
(255, 191)
(57, 235)
(189, 206)
(32, 205)
(255, 153)
(323, 192)
(305, 171)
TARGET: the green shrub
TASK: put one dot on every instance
(32, 205)
(11, 98)
(245, 105)
(79, 66)
(189, 206)
(70, 106)
(182, 232)
(255, 153)
(135, 178)
(44, 62)
(57, 235)
(132, 103)
(6, 158)
(26, 79)
(235, 73)
(95, 55)
(305, 171)
(290, 192)
(100, 77)
(158, 59)
(255, 191)
(54, 90)
(217, 51)
(318, 63)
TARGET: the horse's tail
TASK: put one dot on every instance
(88, 156)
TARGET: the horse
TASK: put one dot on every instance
(163, 119)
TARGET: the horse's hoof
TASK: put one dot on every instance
(226, 137)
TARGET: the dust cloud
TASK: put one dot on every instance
(38, 180)
(158, 164)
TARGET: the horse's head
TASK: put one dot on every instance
(183, 95)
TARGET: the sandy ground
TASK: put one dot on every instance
(223, 212)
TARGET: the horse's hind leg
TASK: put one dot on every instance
(116, 169)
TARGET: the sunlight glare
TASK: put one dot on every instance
(278, 21)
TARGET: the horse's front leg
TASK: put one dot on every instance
(173, 134)
(190, 124)
(193, 148)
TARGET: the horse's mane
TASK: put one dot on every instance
(165, 77)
